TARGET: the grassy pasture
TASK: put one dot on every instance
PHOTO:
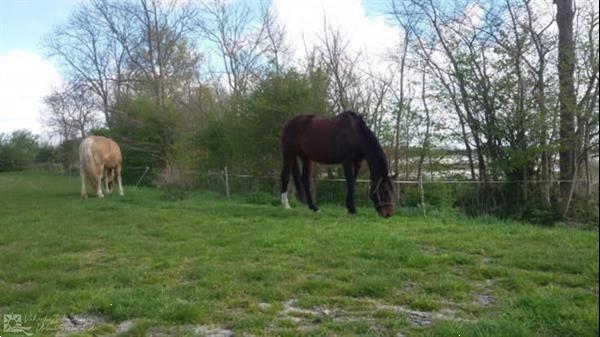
(255, 269)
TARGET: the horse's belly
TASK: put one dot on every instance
(325, 154)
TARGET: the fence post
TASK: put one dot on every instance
(226, 176)
(142, 177)
(422, 194)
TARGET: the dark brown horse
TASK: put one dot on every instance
(344, 139)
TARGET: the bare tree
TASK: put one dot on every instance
(276, 48)
(238, 36)
(374, 100)
(587, 85)
(426, 143)
(543, 46)
(116, 46)
(407, 23)
(440, 55)
(87, 53)
(71, 111)
(153, 35)
(333, 52)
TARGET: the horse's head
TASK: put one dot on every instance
(382, 194)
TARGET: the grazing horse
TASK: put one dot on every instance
(97, 153)
(344, 139)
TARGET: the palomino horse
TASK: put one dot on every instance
(344, 139)
(97, 153)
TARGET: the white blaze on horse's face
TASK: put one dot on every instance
(284, 200)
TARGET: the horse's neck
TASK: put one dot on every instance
(377, 168)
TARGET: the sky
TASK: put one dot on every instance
(27, 75)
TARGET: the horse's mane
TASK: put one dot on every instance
(372, 140)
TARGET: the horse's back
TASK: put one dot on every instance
(104, 151)
(325, 140)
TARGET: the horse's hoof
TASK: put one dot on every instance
(100, 195)
(84, 196)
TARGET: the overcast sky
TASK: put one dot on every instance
(26, 75)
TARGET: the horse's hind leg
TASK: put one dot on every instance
(82, 176)
(106, 174)
(119, 167)
(297, 181)
(288, 161)
(306, 175)
(99, 173)
(109, 182)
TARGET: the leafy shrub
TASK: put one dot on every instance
(18, 150)
(585, 210)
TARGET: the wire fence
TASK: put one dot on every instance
(473, 196)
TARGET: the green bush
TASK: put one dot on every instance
(18, 150)
(46, 154)
(143, 134)
(584, 209)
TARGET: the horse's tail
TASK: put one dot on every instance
(297, 181)
(86, 159)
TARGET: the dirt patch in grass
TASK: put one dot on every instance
(291, 314)
(307, 319)
(190, 330)
(484, 298)
(78, 324)
(423, 318)
(72, 324)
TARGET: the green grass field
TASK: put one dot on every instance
(193, 266)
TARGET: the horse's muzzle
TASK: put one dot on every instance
(386, 211)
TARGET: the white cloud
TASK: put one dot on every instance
(304, 22)
(25, 78)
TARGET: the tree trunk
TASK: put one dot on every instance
(565, 13)
(401, 108)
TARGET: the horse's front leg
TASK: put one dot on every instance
(350, 183)
(306, 174)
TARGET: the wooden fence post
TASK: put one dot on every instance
(226, 174)
(142, 177)
(422, 194)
